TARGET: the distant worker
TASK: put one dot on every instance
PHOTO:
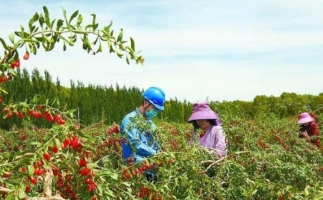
(138, 130)
(308, 128)
(212, 137)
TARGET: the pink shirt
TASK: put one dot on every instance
(215, 140)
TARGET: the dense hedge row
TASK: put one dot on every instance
(95, 103)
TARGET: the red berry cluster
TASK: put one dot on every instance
(63, 182)
(113, 129)
(75, 143)
(39, 170)
(110, 145)
(56, 118)
(64, 179)
(127, 174)
(38, 114)
(15, 64)
(145, 192)
(8, 76)
(87, 173)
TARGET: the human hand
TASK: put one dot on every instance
(305, 135)
(155, 146)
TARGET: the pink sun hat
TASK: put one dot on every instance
(304, 118)
(202, 110)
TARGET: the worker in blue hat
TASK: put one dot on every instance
(138, 130)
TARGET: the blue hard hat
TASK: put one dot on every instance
(155, 96)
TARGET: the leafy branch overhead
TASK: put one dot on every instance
(46, 33)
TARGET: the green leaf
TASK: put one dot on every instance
(45, 45)
(88, 27)
(64, 39)
(119, 55)
(132, 44)
(254, 192)
(72, 38)
(73, 16)
(41, 21)
(22, 30)
(24, 104)
(32, 21)
(35, 143)
(114, 176)
(57, 142)
(59, 24)
(126, 184)
(306, 192)
(64, 14)
(109, 26)
(52, 24)
(51, 46)
(34, 50)
(79, 20)
(47, 20)
(95, 41)
(21, 194)
(17, 33)
(2, 90)
(85, 42)
(129, 190)
(4, 44)
(12, 38)
(120, 36)
(94, 25)
(12, 71)
(58, 102)
(105, 33)
(100, 189)
(132, 56)
(30, 169)
(36, 29)
(55, 38)
(99, 49)
(111, 49)
(70, 112)
(127, 60)
(45, 38)
(11, 196)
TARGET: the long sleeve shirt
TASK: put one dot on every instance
(137, 137)
(214, 140)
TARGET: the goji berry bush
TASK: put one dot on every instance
(266, 160)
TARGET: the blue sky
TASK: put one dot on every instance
(194, 50)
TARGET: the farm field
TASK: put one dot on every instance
(47, 152)
(266, 160)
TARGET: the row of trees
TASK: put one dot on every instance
(94, 103)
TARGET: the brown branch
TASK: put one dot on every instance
(57, 197)
(48, 179)
(213, 162)
(7, 55)
(4, 190)
(47, 187)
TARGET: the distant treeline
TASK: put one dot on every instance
(94, 103)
